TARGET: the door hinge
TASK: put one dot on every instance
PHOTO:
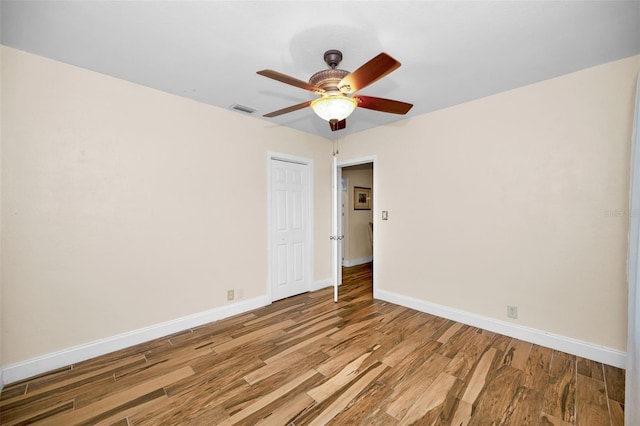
(339, 237)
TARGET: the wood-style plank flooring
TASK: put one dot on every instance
(309, 361)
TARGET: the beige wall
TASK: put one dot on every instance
(357, 245)
(125, 207)
(514, 191)
(118, 201)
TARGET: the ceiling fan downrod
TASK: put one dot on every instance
(333, 58)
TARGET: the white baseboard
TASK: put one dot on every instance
(569, 345)
(321, 284)
(25, 369)
(355, 262)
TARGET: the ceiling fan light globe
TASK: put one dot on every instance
(334, 107)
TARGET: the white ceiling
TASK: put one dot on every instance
(451, 52)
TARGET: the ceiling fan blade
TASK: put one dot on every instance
(384, 105)
(337, 125)
(288, 109)
(368, 73)
(290, 80)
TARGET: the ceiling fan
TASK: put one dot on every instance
(335, 85)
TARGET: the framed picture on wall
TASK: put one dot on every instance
(361, 198)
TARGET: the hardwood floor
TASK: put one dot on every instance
(309, 361)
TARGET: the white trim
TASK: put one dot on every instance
(336, 260)
(632, 379)
(355, 262)
(327, 282)
(357, 161)
(310, 214)
(569, 345)
(342, 210)
(25, 369)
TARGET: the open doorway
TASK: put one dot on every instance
(355, 216)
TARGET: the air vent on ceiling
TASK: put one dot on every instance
(242, 108)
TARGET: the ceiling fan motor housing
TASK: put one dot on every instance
(328, 79)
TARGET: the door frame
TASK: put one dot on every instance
(337, 216)
(632, 370)
(309, 216)
(342, 206)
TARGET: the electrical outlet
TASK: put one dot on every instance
(512, 312)
(230, 295)
(385, 215)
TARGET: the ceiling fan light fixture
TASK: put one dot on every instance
(334, 107)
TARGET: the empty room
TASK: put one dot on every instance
(309, 213)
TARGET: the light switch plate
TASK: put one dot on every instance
(385, 215)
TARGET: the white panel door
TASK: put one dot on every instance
(290, 271)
